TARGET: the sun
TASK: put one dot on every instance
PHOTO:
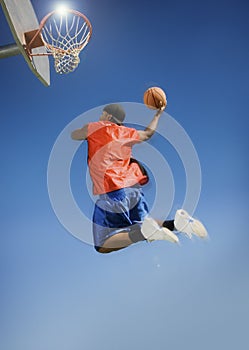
(61, 9)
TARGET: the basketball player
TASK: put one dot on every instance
(121, 214)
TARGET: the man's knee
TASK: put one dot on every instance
(105, 250)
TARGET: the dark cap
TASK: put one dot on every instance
(116, 111)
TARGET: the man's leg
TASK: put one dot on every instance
(149, 230)
(119, 241)
(122, 240)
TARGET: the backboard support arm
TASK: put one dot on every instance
(9, 50)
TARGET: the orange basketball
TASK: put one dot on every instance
(155, 98)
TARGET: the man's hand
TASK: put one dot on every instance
(160, 111)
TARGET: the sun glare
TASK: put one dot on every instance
(61, 9)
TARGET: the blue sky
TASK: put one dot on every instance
(56, 291)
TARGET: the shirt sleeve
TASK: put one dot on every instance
(133, 136)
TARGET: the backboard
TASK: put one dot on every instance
(21, 18)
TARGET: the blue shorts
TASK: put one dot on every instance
(116, 211)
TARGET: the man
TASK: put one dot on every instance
(121, 212)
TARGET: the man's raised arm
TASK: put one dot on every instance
(151, 128)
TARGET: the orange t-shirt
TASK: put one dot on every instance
(109, 153)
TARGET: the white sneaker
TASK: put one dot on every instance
(185, 223)
(153, 232)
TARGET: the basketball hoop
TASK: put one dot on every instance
(64, 36)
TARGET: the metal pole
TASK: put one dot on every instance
(9, 50)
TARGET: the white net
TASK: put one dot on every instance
(64, 37)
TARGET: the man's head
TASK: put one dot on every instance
(114, 113)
